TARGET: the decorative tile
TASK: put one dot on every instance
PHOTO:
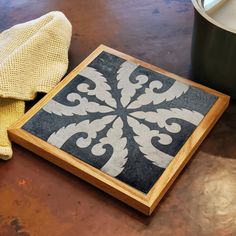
(124, 119)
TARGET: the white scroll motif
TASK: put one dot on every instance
(91, 129)
(81, 109)
(101, 90)
(175, 91)
(115, 164)
(144, 138)
(161, 116)
(128, 88)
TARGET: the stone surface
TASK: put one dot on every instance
(122, 118)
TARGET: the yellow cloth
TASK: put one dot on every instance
(33, 58)
(10, 111)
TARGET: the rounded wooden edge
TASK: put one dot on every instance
(198, 6)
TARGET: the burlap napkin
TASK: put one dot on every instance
(33, 58)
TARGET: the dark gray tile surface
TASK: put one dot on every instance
(122, 118)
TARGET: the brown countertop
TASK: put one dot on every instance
(38, 198)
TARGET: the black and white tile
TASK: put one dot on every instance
(122, 118)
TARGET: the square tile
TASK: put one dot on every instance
(122, 118)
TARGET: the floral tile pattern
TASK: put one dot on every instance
(122, 118)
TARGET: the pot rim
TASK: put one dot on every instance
(199, 7)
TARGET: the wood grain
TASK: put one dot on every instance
(144, 203)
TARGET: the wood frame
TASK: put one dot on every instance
(145, 203)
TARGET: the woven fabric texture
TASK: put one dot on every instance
(10, 111)
(33, 58)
